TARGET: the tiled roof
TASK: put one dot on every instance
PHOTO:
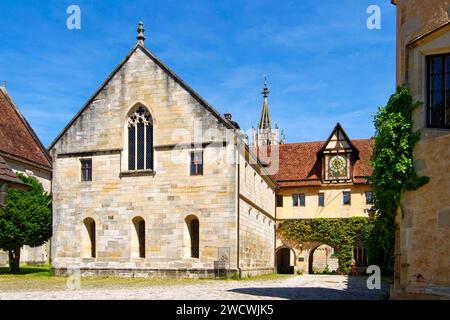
(6, 174)
(300, 166)
(17, 138)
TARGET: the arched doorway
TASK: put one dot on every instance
(285, 261)
(322, 260)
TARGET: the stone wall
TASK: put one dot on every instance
(256, 221)
(163, 199)
(424, 225)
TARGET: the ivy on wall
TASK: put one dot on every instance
(394, 173)
(340, 233)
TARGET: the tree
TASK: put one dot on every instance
(394, 173)
(26, 219)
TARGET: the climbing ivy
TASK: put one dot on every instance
(394, 173)
(340, 233)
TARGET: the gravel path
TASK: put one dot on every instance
(306, 287)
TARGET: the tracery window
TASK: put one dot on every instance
(140, 140)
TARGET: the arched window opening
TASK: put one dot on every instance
(89, 241)
(138, 241)
(140, 140)
(193, 230)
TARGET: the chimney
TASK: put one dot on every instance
(227, 116)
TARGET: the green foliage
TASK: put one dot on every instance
(341, 233)
(394, 172)
(26, 218)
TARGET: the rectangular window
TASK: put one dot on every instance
(279, 200)
(347, 197)
(86, 170)
(369, 197)
(302, 199)
(321, 200)
(197, 163)
(295, 200)
(438, 91)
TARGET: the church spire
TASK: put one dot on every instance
(264, 122)
(140, 30)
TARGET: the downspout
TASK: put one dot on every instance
(238, 182)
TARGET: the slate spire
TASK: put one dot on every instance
(264, 122)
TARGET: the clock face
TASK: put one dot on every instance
(338, 166)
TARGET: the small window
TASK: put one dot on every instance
(321, 199)
(347, 197)
(197, 163)
(279, 200)
(295, 200)
(302, 199)
(369, 197)
(86, 170)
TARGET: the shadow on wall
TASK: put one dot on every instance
(356, 290)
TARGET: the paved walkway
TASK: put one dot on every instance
(306, 287)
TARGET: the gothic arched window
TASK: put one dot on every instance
(140, 140)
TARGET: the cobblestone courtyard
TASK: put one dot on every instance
(308, 287)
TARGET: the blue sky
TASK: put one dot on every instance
(323, 64)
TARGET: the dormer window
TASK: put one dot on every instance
(140, 140)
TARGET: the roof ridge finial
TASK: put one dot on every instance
(265, 92)
(140, 30)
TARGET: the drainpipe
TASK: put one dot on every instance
(238, 181)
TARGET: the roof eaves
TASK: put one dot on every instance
(27, 125)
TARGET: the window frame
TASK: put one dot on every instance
(349, 198)
(140, 151)
(197, 166)
(295, 200)
(278, 201)
(301, 196)
(86, 170)
(443, 90)
(371, 196)
(320, 196)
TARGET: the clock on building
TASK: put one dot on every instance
(337, 166)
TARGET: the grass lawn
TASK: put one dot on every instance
(32, 278)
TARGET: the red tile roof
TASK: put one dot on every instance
(17, 138)
(300, 166)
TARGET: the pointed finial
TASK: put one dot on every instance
(265, 92)
(4, 84)
(283, 138)
(140, 30)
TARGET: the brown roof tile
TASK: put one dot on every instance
(17, 137)
(300, 166)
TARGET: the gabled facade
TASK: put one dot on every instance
(21, 152)
(323, 179)
(149, 179)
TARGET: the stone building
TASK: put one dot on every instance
(322, 179)
(423, 65)
(149, 179)
(21, 151)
